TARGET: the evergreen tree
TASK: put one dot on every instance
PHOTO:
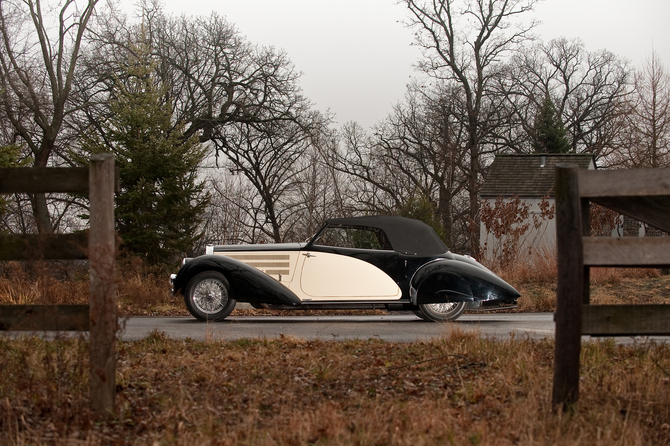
(419, 207)
(548, 134)
(10, 156)
(160, 206)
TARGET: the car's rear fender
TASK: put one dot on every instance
(459, 280)
(247, 283)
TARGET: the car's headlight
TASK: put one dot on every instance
(172, 279)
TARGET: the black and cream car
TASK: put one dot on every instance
(375, 262)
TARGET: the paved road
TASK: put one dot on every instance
(396, 328)
(392, 328)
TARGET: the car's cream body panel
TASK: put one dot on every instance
(318, 276)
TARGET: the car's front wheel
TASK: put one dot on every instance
(207, 297)
(442, 312)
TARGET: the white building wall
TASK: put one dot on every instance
(537, 238)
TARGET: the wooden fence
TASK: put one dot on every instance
(643, 194)
(99, 246)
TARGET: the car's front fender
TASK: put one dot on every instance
(247, 283)
(458, 280)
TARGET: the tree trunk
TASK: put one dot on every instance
(444, 211)
(473, 186)
(41, 213)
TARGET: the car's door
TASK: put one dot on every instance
(349, 264)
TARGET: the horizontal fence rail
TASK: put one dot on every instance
(626, 251)
(44, 317)
(39, 180)
(624, 183)
(44, 246)
(625, 320)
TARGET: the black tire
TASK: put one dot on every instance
(208, 298)
(442, 312)
(421, 315)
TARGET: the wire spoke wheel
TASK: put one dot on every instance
(444, 307)
(441, 312)
(210, 296)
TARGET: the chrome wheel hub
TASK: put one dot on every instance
(210, 296)
(442, 307)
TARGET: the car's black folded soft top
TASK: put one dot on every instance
(406, 235)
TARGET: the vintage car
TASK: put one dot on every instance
(374, 262)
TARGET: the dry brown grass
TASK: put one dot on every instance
(460, 390)
(43, 283)
(535, 277)
(141, 289)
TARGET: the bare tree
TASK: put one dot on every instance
(219, 78)
(375, 184)
(424, 140)
(38, 58)
(589, 90)
(647, 142)
(216, 76)
(322, 189)
(464, 42)
(270, 156)
(227, 219)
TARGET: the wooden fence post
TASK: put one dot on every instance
(101, 254)
(569, 293)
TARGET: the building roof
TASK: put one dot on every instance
(406, 235)
(527, 175)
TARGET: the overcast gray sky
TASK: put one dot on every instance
(357, 57)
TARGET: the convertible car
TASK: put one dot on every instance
(375, 262)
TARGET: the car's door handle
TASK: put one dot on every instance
(308, 255)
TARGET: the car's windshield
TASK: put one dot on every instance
(350, 237)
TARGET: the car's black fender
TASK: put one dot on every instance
(247, 283)
(459, 279)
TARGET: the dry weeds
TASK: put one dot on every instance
(460, 390)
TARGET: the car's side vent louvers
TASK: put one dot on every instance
(270, 264)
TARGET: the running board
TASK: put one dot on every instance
(383, 305)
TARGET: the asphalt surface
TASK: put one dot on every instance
(392, 327)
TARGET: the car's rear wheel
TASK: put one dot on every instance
(420, 314)
(442, 312)
(208, 298)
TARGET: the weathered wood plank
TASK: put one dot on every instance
(35, 180)
(626, 320)
(651, 210)
(44, 246)
(102, 253)
(569, 293)
(44, 317)
(627, 251)
(586, 232)
(624, 183)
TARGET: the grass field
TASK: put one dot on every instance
(458, 390)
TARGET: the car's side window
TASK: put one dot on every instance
(358, 238)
